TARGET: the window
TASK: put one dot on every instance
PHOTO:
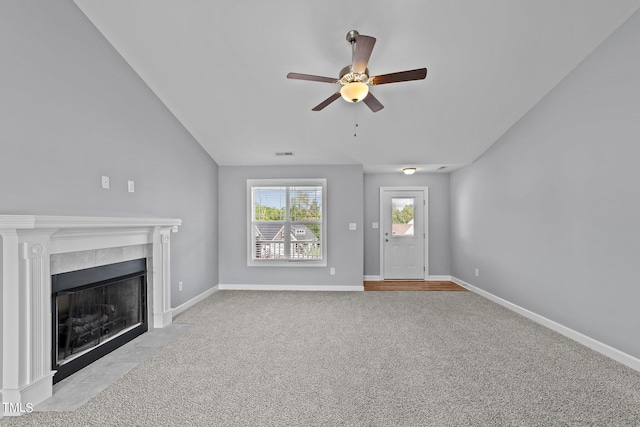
(402, 216)
(287, 222)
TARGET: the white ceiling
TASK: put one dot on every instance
(220, 67)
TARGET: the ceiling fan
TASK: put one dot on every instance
(355, 80)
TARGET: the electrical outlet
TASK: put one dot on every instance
(180, 286)
(477, 272)
(131, 186)
(332, 270)
(105, 182)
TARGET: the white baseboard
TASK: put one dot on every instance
(602, 348)
(440, 278)
(377, 278)
(349, 288)
(193, 301)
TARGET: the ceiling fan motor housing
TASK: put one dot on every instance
(347, 76)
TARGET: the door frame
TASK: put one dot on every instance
(425, 192)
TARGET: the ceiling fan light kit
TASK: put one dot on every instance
(354, 91)
(355, 80)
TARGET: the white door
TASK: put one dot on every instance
(403, 234)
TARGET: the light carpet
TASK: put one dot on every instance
(362, 359)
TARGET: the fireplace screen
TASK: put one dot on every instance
(91, 316)
(95, 311)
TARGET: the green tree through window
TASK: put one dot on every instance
(304, 210)
(402, 216)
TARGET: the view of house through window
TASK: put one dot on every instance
(402, 216)
(287, 221)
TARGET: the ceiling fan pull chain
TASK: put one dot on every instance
(355, 121)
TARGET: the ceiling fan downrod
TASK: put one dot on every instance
(352, 38)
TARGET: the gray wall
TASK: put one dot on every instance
(71, 110)
(549, 214)
(439, 230)
(344, 205)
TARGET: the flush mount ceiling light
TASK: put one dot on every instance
(354, 78)
(409, 171)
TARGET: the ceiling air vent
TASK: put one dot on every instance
(285, 153)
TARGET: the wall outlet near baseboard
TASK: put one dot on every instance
(332, 270)
(180, 286)
(477, 272)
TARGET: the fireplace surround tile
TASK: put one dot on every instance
(134, 252)
(63, 263)
(108, 256)
(72, 261)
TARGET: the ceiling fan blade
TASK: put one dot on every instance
(401, 76)
(326, 102)
(298, 76)
(364, 46)
(372, 102)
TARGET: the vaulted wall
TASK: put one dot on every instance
(72, 110)
(549, 214)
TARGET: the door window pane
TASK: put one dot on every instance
(402, 216)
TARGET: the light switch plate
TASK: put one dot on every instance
(105, 182)
(352, 226)
(374, 225)
(131, 186)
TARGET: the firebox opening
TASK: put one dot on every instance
(95, 311)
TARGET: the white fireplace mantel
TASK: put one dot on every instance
(28, 241)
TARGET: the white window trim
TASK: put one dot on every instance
(286, 183)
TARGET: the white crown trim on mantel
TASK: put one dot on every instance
(28, 241)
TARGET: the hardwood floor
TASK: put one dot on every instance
(411, 285)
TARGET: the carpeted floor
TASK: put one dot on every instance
(362, 359)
